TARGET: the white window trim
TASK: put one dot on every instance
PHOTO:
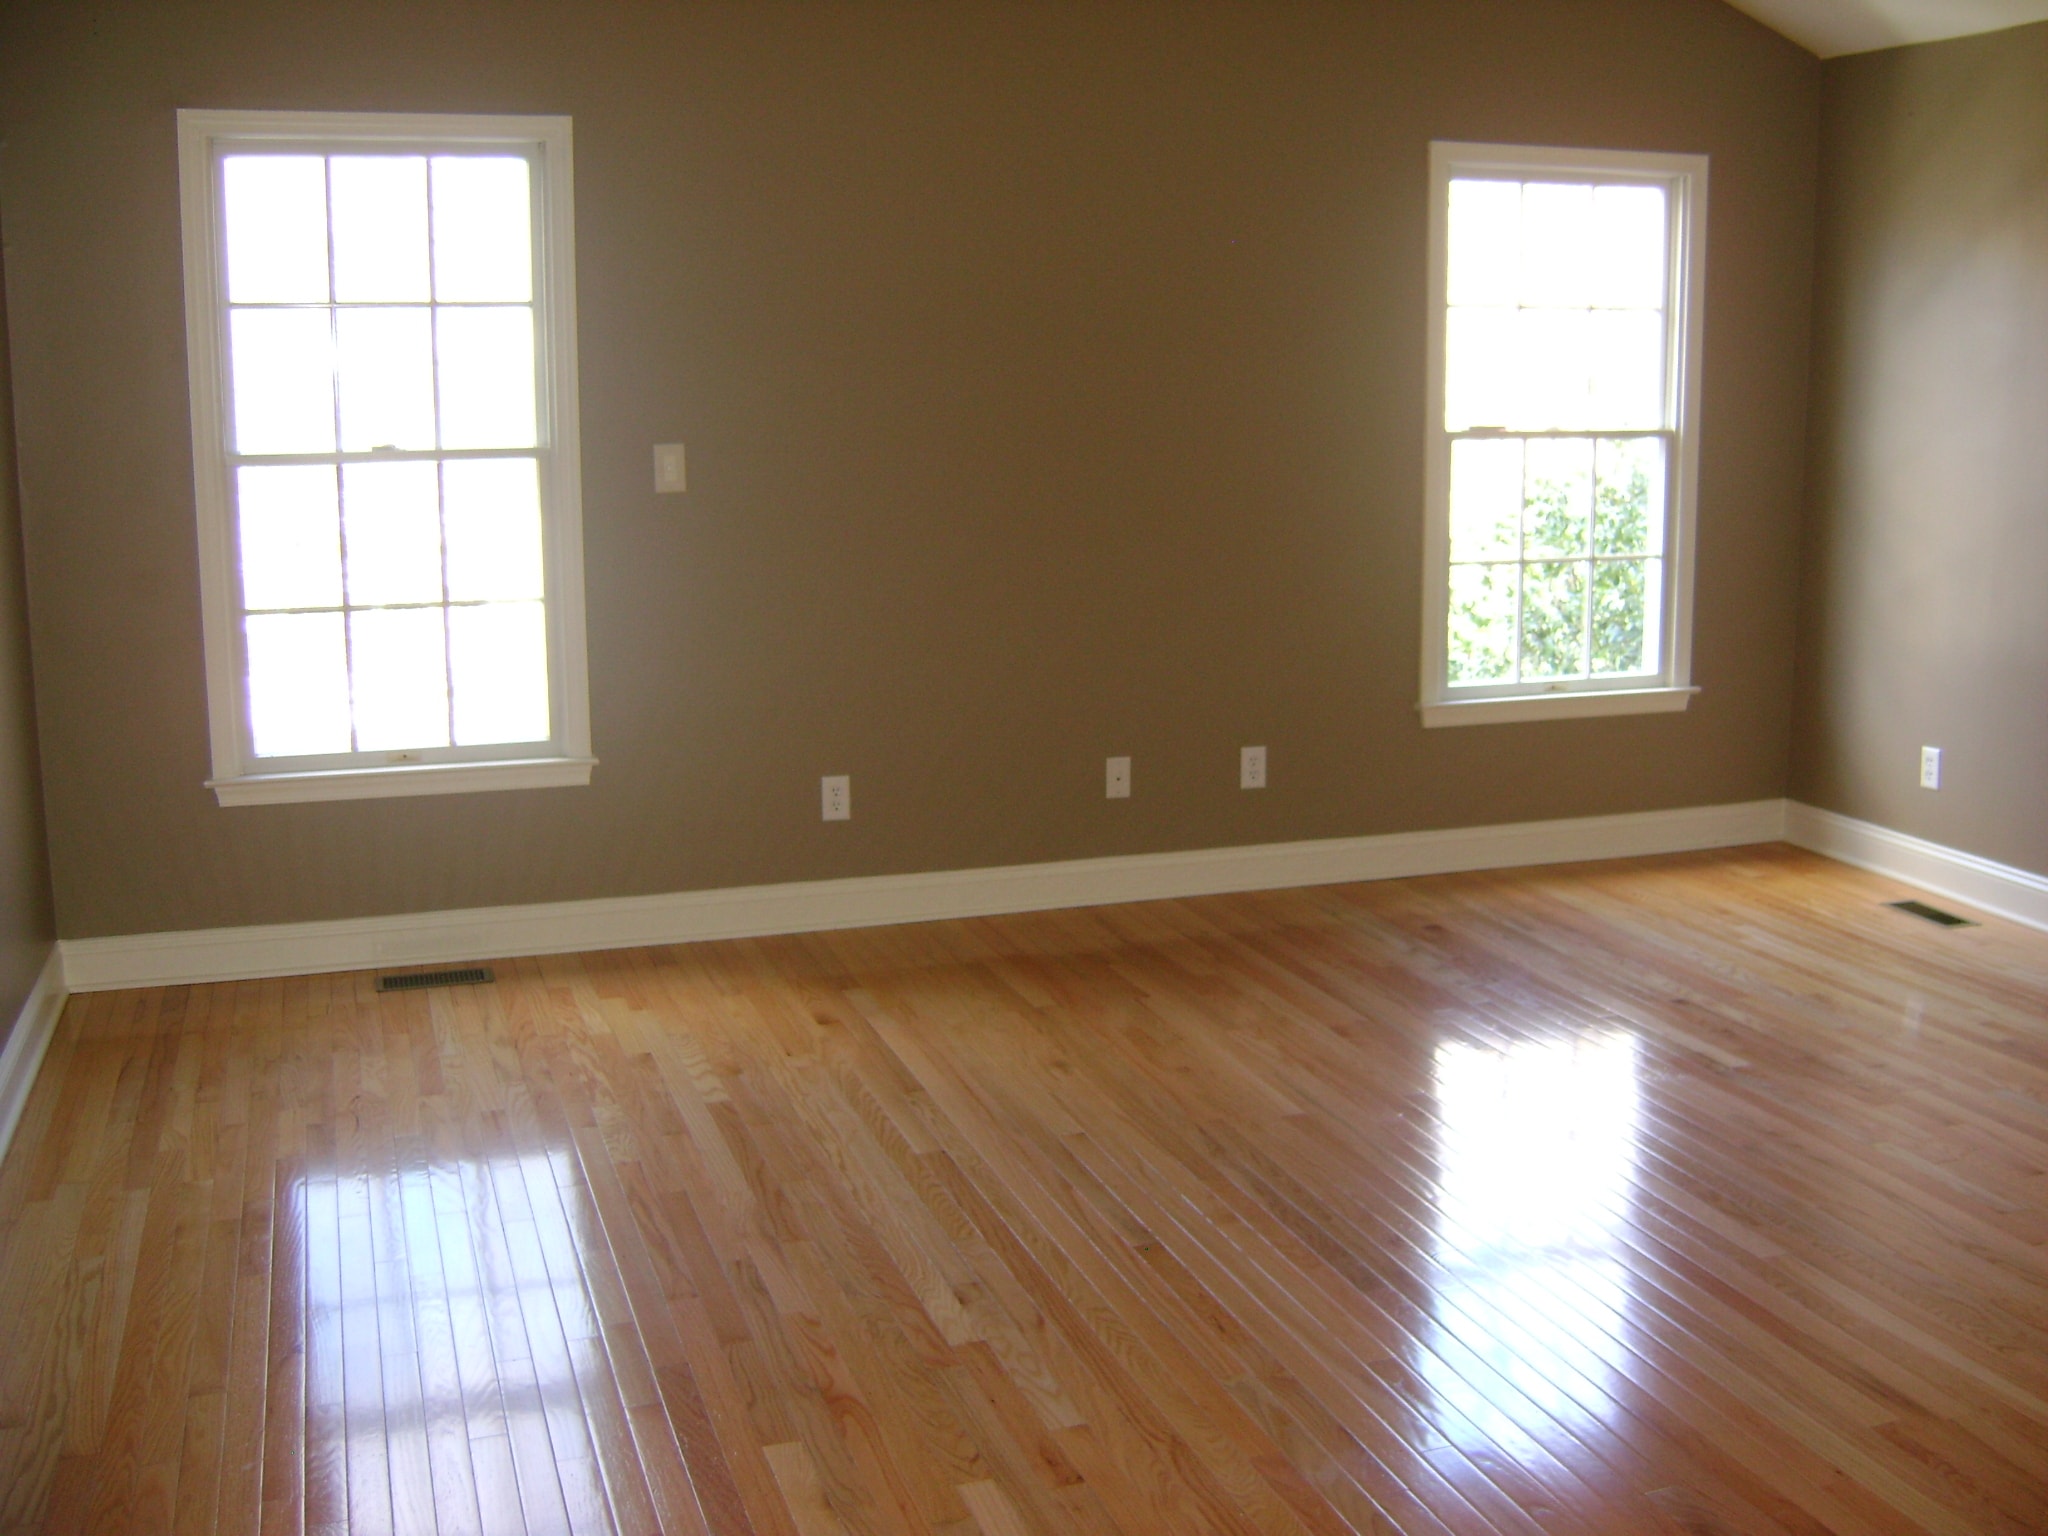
(1665, 691)
(239, 778)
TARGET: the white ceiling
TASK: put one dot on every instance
(1831, 27)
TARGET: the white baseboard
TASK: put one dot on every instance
(289, 949)
(22, 1057)
(294, 949)
(1978, 882)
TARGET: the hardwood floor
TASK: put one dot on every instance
(1701, 1194)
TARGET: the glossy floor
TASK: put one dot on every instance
(1701, 1194)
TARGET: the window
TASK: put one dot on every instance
(1564, 390)
(380, 324)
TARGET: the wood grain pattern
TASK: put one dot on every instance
(1692, 1195)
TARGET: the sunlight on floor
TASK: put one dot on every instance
(1536, 1174)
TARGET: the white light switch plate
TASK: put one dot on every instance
(669, 476)
(1117, 778)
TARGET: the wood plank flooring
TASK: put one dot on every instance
(1693, 1195)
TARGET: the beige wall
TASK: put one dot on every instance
(1052, 377)
(1926, 602)
(26, 927)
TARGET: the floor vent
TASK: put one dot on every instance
(1932, 914)
(412, 981)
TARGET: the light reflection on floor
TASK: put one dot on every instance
(445, 1313)
(1536, 1172)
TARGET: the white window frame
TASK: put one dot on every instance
(1685, 176)
(239, 777)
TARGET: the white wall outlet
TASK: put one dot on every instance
(669, 476)
(1251, 768)
(836, 790)
(1116, 778)
(1930, 767)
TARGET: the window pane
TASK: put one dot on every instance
(1550, 367)
(276, 212)
(1482, 625)
(290, 540)
(380, 228)
(401, 678)
(387, 379)
(283, 380)
(1486, 498)
(1557, 518)
(1482, 371)
(394, 533)
(1628, 517)
(499, 660)
(486, 378)
(483, 231)
(1554, 619)
(1620, 616)
(1485, 241)
(1557, 255)
(298, 684)
(1630, 247)
(1626, 351)
(493, 530)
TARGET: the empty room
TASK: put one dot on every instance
(1024, 767)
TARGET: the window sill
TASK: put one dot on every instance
(412, 779)
(1557, 706)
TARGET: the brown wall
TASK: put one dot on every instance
(1926, 573)
(1052, 378)
(26, 926)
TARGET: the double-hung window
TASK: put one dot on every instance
(380, 322)
(1563, 434)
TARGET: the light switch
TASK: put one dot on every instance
(1116, 778)
(668, 469)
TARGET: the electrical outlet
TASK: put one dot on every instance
(1117, 778)
(670, 476)
(1251, 768)
(1930, 767)
(836, 789)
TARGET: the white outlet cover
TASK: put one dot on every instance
(1251, 768)
(835, 792)
(1116, 778)
(670, 472)
(1930, 767)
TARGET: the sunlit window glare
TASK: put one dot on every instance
(1557, 323)
(291, 549)
(380, 318)
(298, 683)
